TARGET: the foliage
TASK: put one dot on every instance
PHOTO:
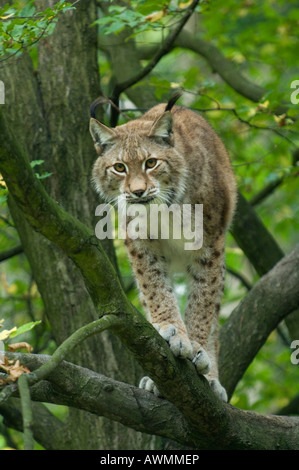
(21, 26)
(141, 16)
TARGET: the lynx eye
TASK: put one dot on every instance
(120, 167)
(150, 163)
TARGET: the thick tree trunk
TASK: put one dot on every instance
(48, 110)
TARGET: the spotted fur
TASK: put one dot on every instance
(192, 168)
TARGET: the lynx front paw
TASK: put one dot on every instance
(179, 343)
(148, 384)
(200, 359)
(218, 389)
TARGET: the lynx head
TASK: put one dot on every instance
(138, 160)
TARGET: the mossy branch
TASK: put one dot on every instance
(95, 327)
(269, 301)
(259, 246)
(145, 412)
(24, 390)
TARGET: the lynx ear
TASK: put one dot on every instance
(101, 134)
(163, 128)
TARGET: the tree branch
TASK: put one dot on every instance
(16, 250)
(270, 188)
(292, 408)
(70, 343)
(270, 300)
(61, 352)
(163, 50)
(253, 238)
(225, 68)
(24, 391)
(73, 385)
(47, 429)
(259, 246)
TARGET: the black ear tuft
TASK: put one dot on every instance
(173, 100)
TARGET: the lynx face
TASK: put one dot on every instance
(141, 165)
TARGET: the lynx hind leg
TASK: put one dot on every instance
(201, 315)
(213, 344)
(200, 358)
(146, 383)
(218, 389)
(212, 376)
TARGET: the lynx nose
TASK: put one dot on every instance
(139, 192)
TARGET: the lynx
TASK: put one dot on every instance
(172, 155)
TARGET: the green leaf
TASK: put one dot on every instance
(36, 163)
(149, 6)
(27, 10)
(24, 328)
(115, 27)
(44, 175)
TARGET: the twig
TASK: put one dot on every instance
(165, 48)
(270, 188)
(6, 393)
(10, 18)
(292, 408)
(248, 123)
(206, 110)
(167, 45)
(265, 192)
(26, 412)
(16, 250)
(240, 277)
(6, 221)
(24, 46)
(77, 337)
